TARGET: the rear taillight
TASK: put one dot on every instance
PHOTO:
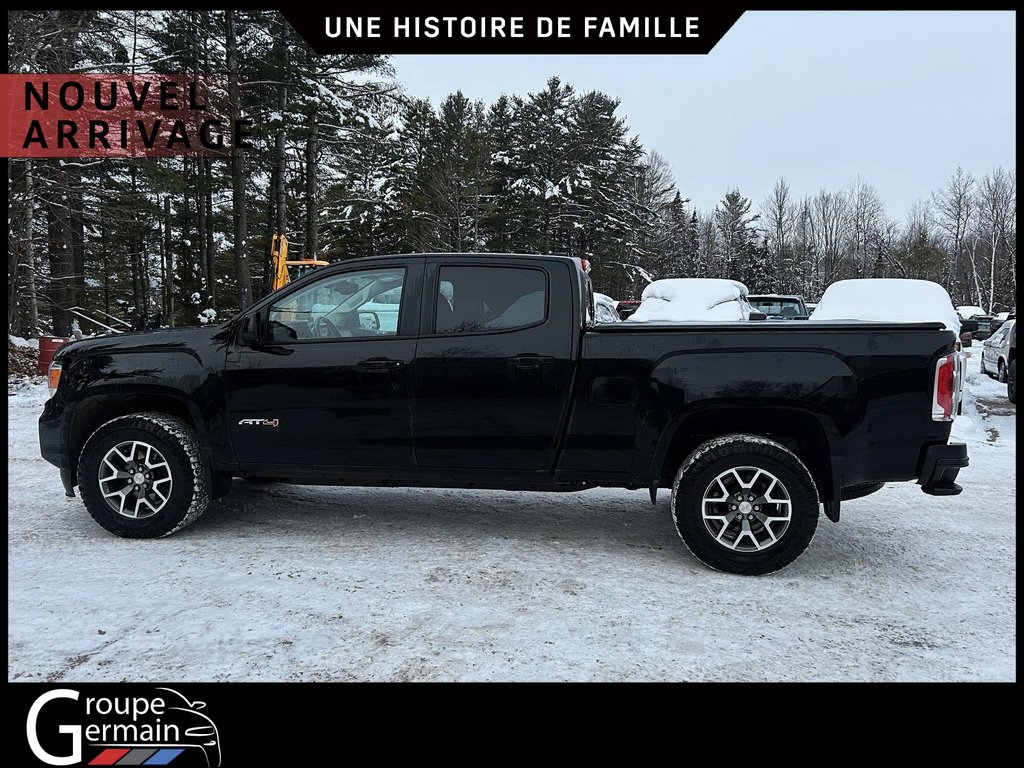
(944, 393)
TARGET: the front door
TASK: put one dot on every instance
(330, 386)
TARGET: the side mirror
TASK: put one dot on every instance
(968, 326)
(251, 332)
(755, 315)
(369, 321)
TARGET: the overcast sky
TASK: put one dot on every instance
(898, 98)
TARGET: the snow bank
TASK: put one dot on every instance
(25, 343)
(688, 299)
(327, 583)
(887, 300)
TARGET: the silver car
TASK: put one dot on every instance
(995, 352)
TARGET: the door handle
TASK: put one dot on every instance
(379, 364)
(530, 361)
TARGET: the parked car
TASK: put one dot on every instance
(694, 299)
(627, 307)
(506, 384)
(1011, 369)
(999, 318)
(967, 329)
(896, 300)
(605, 309)
(984, 326)
(995, 352)
(969, 310)
(984, 321)
(777, 307)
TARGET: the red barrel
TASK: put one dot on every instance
(47, 346)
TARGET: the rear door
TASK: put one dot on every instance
(493, 363)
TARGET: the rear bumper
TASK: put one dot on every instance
(941, 465)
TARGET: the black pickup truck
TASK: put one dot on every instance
(488, 371)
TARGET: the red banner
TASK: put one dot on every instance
(49, 115)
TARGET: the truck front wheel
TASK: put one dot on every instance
(141, 476)
(744, 504)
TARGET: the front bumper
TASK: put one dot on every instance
(53, 435)
(941, 465)
(53, 440)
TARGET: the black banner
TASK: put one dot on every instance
(265, 724)
(692, 32)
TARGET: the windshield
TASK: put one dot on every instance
(295, 271)
(777, 306)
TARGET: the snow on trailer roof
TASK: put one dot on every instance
(888, 300)
(688, 299)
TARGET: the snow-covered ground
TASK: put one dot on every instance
(298, 583)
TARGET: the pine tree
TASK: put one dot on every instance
(737, 236)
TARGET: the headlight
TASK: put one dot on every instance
(53, 377)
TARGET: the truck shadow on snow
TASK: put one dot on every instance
(571, 526)
(606, 521)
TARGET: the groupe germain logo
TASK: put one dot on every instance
(164, 728)
(259, 422)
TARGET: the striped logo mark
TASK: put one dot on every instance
(149, 756)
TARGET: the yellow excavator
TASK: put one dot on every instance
(284, 270)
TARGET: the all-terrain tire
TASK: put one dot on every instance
(740, 529)
(163, 452)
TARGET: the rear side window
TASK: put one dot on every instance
(482, 299)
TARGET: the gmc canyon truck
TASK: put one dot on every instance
(488, 371)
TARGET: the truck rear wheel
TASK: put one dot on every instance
(744, 504)
(141, 476)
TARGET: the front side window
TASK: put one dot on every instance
(355, 304)
(483, 299)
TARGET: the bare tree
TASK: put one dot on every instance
(997, 201)
(1010, 233)
(653, 190)
(954, 205)
(832, 217)
(777, 212)
(866, 215)
(805, 250)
